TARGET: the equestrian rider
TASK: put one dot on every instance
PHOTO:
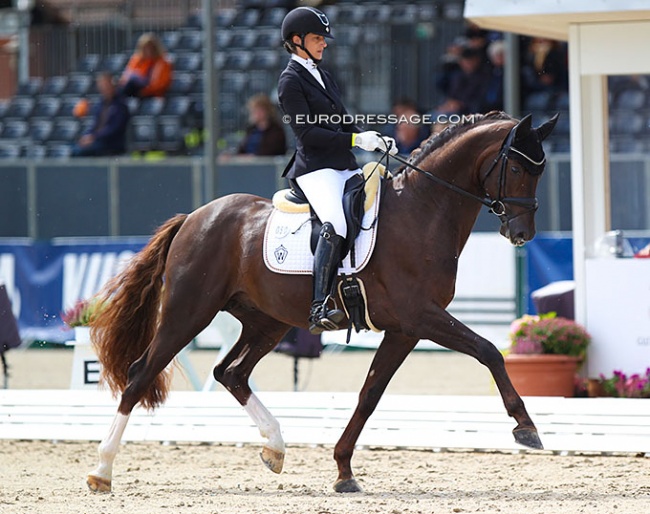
(323, 161)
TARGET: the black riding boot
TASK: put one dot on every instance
(326, 264)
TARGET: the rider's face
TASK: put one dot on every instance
(314, 43)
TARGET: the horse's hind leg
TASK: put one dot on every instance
(259, 336)
(176, 330)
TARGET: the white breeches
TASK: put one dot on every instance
(324, 190)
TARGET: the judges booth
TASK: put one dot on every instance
(612, 296)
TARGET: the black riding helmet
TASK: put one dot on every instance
(303, 21)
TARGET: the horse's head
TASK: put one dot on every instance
(522, 162)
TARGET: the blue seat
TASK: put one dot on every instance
(66, 129)
(35, 151)
(150, 106)
(14, 129)
(270, 39)
(54, 85)
(20, 107)
(265, 60)
(187, 61)
(176, 106)
(224, 17)
(242, 39)
(273, 17)
(143, 137)
(631, 99)
(40, 130)
(170, 134)
(89, 63)
(232, 82)
(170, 39)
(58, 150)
(181, 84)
(78, 85)
(626, 122)
(538, 101)
(30, 88)
(238, 60)
(10, 150)
(46, 107)
(114, 63)
(190, 40)
(247, 18)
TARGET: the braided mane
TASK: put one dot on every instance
(436, 141)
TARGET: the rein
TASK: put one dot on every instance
(497, 206)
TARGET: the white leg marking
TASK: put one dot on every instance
(109, 447)
(267, 424)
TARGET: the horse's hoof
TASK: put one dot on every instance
(528, 437)
(98, 484)
(272, 459)
(347, 486)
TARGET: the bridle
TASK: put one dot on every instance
(496, 206)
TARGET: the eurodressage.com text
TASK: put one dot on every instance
(378, 119)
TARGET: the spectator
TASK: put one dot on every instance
(493, 97)
(544, 67)
(107, 136)
(467, 87)
(148, 72)
(265, 135)
(409, 131)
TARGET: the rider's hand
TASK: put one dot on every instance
(372, 141)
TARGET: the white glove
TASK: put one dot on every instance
(371, 141)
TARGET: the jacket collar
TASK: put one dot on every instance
(304, 73)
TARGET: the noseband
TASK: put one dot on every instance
(496, 206)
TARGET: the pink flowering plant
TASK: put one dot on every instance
(621, 386)
(82, 313)
(550, 334)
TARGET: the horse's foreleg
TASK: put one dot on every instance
(447, 331)
(389, 357)
(259, 336)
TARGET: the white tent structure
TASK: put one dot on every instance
(605, 38)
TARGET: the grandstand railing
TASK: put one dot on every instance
(49, 198)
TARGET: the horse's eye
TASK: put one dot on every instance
(515, 169)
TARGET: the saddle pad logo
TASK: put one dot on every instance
(280, 254)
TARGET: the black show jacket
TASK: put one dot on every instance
(323, 142)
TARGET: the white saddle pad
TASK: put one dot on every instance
(287, 246)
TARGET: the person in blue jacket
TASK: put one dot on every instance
(311, 102)
(107, 135)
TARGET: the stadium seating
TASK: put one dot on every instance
(249, 58)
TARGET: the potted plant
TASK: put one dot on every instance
(545, 353)
(620, 385)
(80, 316)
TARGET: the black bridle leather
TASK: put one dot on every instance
(496, 206)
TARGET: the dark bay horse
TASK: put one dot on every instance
(211, 260)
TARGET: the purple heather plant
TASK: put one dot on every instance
(621, 386)
(548, 334)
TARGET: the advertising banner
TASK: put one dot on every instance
(44, 278)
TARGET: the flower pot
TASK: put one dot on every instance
(82, 335)
(542, 375)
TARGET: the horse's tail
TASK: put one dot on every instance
(128, 315)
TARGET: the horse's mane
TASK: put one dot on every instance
(438, 140)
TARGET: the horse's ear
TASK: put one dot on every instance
(523, 127)
(546, 128)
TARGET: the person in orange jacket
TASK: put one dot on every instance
(148, 72)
